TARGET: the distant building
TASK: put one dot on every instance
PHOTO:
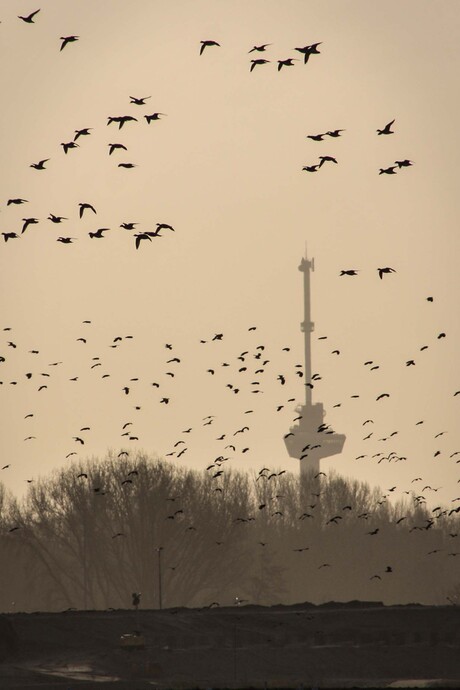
(311, 439)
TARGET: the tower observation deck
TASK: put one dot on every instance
(311, 439)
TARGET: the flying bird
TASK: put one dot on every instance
(207, 44)
(323, 160)
(98, 234)
(387, 269)
(56, 219)
(85, 206)
(141, 236)
(404, 163)
(387, 129)
(388, 171)
(285, 63)
(121, 120)
(27, 222)
(40, 165)
(260, 48)
(154, 116)
(84, 132)
(138, 101)
(10, 236)
(67, 39)
(17, 201)
(260, 61)
(349, 272)
(309, 50)
(69, 145)
(29, 19)
(114, 147)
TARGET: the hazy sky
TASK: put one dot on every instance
(224, 168)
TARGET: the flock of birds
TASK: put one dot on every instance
(246, 373)
(96, 234)
(121, 120)
(249, 372)
(334, 134)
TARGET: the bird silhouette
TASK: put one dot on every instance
(16, 201)
(207, 44)
(388, 171)
(68, 39)
(387, 129)
(349, 272)
(309, 50)
(84, 132)
(324, 159)
(40, 165)
(141, 236)
(121, 120)
(289, 62)
(254, 63)
(114, 147)
(98, 234)
(139, 101)
(29, 19)
(387, 269)
(261, 48)
(153, 117)
(404, 163)
(69, 145)
(85, 206)
(27, 222)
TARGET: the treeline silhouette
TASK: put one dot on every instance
(87, 536)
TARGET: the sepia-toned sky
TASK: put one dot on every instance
(223, 166)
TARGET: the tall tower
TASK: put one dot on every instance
(311, 438)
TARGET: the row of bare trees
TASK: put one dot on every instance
(88, 536)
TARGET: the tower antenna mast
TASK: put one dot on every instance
(311, 439)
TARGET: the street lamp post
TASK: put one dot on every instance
(160, 600)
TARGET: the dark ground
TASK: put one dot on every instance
(333, 645)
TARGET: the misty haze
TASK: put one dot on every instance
(229, 340)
